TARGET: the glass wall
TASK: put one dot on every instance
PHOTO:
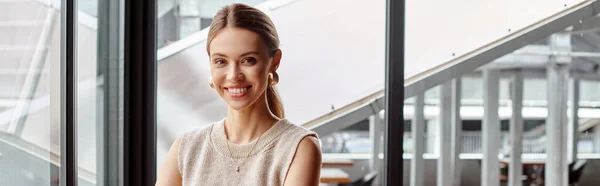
(29, 93)
(333, 65)
(31, 97)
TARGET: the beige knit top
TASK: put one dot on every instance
(205, 160)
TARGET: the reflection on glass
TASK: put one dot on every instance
(180, 19)
(29, 93)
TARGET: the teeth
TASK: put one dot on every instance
(237, 90)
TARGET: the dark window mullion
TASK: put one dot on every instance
(68, 93)
(140, 93)
(394, 93)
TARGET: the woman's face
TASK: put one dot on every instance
(240, 66)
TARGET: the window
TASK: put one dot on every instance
(30, 94)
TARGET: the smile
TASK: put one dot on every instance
(237, 91)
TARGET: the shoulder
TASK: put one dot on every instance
(301, 152)
(198, 133)
(305, 162)
(294, 136)
(296, 131)
(306, 142)
(308, 150)
(192, 141)
(170, 173)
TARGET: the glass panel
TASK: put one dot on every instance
(589, 93)
(446, 40)
(29, 93)
(89, 7)
(89, 95)
(333, 61)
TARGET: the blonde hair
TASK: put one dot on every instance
(247, 17)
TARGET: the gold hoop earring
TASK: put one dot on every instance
(211, 83)
(273, 78)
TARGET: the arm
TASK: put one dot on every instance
(306, 165)
(168, 174)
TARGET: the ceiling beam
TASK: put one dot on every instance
(591, 24)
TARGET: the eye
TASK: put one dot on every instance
(219, 61)
(249, 60)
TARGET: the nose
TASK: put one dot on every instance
(234, 73)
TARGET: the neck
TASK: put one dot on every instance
(243, 126)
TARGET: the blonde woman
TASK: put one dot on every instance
(254, 144)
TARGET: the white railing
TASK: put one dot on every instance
(471, 142)
(357, 142)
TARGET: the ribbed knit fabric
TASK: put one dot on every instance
(205, 160)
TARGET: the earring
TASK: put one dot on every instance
(273, 78)
(211, 83)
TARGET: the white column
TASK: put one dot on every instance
(573, 136)
(444, 135)
(516, 132)
(556, 164)
(375, 123)
(556, 129)
(456, 128)
(596, 139)
(432, 144)
(490, 173)
(417, 164)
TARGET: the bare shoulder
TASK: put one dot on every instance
(169, 174)
(309, 147)
(306, 165)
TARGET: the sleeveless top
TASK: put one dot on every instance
(205, 160)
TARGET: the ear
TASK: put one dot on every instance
(276, 60)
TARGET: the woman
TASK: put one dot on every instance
(254, 144)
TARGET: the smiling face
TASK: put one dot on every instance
(240, 64)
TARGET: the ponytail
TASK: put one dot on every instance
(274, 102)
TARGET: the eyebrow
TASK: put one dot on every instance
(244, 54)
(251, 52)
(219, 54)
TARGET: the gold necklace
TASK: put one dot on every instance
(237, 166)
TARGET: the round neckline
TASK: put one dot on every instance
(238, 151)
(250, 142)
